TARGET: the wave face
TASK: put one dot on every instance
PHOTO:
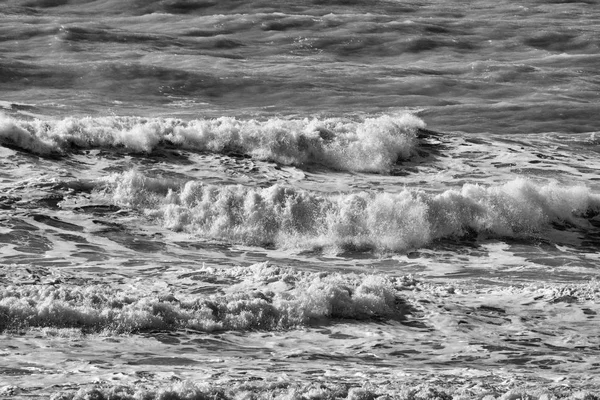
(285, 217)
(374, 144)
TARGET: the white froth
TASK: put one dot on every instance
(12, 133)
(374, 144)
(287, 217)
(305, 297)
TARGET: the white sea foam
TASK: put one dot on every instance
(287, 217)
(305, 298)
(373, 144)
(11, 132)
(286, 390)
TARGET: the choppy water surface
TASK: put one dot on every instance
(317, 199)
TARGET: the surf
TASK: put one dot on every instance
(372, 144)
(286, 217)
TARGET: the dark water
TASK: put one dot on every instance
(499, 67)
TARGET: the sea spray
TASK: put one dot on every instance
(288, 217)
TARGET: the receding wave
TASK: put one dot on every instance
(307, 297)
(286, 217)
(374, 144)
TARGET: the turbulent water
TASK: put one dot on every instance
(316, 199)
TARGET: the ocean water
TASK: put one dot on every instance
(316, 199)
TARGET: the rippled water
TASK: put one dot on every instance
(317, 199)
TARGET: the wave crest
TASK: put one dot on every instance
(287, 217)
(373, 144)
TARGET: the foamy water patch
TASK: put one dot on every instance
(285, 390)
(373, 144)
(462, 338)
(264, 297)
(502, 342)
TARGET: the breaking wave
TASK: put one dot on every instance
(374, 144)
(287, 390)
(287, 217)
(285, 298)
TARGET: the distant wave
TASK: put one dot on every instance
(374, 144)
(308, 297)
(287, 217)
